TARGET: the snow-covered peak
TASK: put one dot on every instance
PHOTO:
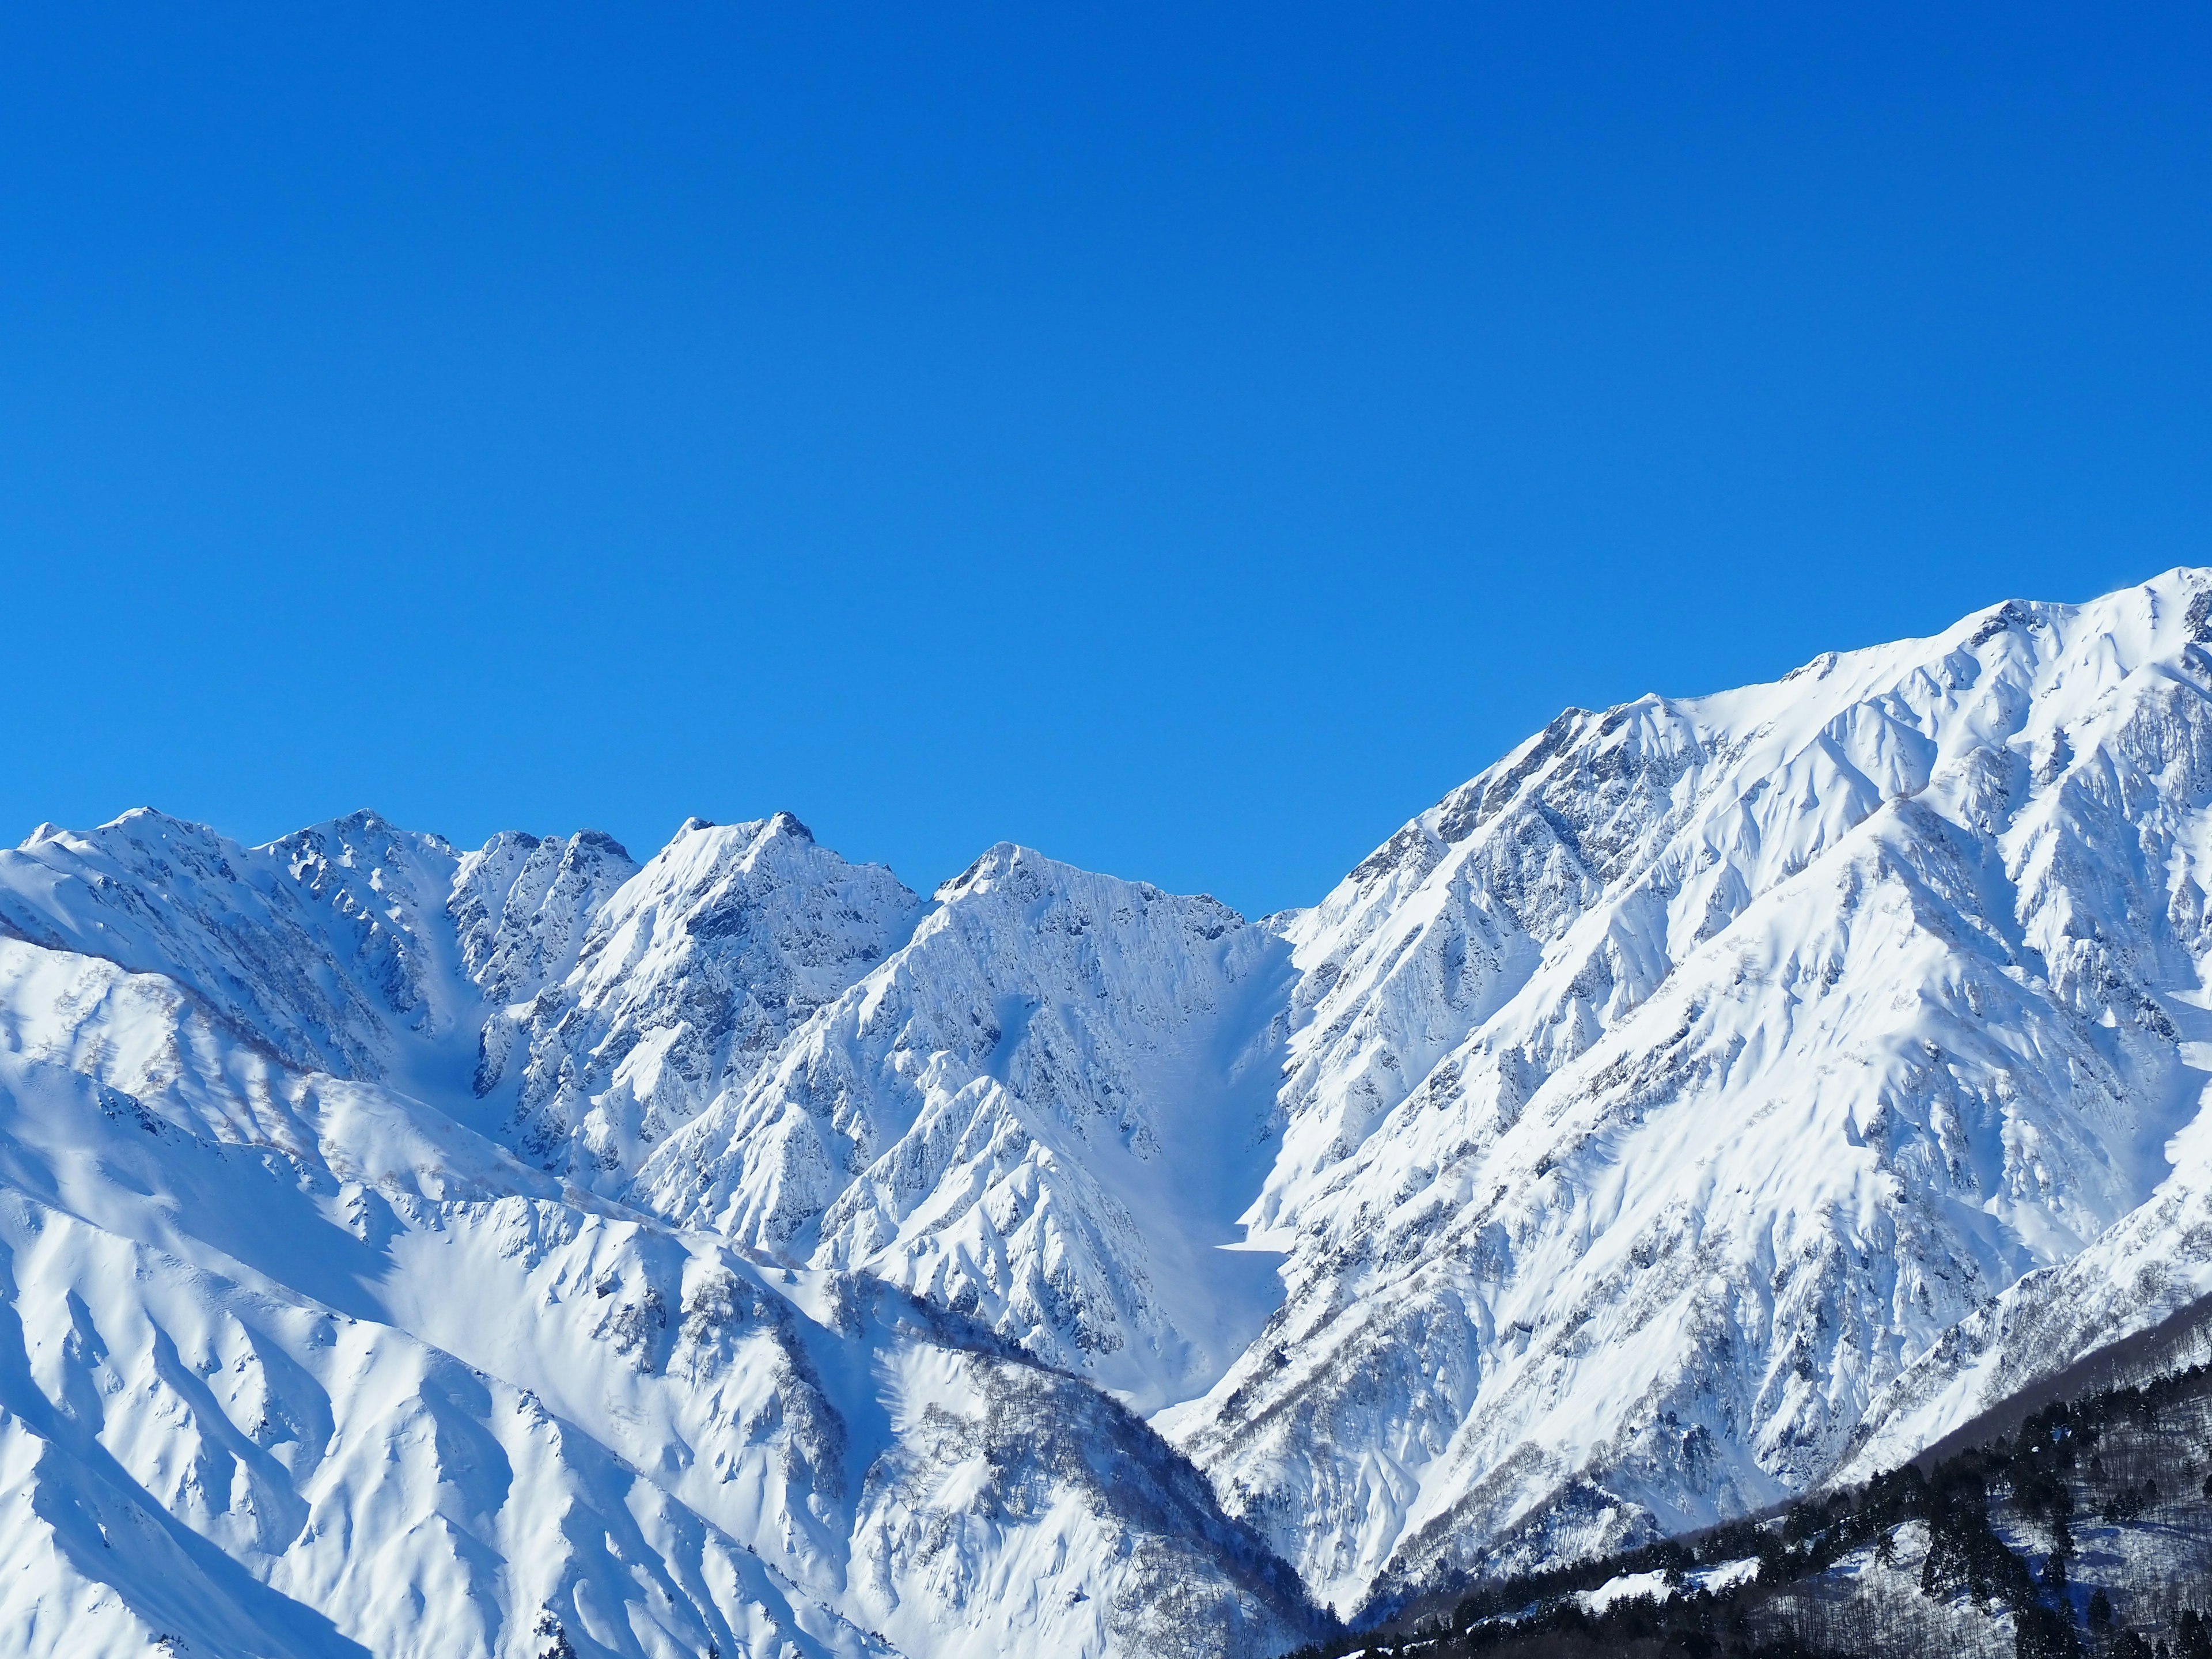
(1045, 1110)
(319, 945)
(1689, 808)
(1660, 1092)
(522, 905)
(688, 976)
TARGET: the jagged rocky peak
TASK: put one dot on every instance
(1045, 1111)
(1009, 872)
(688, 976)
(321, 945)
(383, 891)
(522, 905)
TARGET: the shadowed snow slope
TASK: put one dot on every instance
(407, 1251)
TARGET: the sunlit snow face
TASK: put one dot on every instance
(470, 1241)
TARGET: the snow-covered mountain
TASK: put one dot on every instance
(407, 1250)
(323, 949)
(684, 978)
(1043, 1111)
(295, 1362)
(1665, 1092)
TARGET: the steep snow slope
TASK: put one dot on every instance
(521, 905)
(290, 1364)
(686, 979)
(1661, 1094)
(1044, 1111)
(324, 948)
(2152, 1263)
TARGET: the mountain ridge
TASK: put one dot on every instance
(1713, 1098)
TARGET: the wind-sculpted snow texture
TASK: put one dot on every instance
(1662, 1094)
(410, 1251)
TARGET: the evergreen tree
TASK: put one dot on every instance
(2100, 1611)
(2041, 1633)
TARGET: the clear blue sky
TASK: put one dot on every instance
(1186, 439)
